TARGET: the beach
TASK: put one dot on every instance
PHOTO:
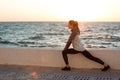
(45, 64)
(50, 57)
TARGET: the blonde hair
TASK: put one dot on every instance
(75, 25)
(71, 22)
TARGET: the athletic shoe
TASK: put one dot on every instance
(106, 68)
(66, 69)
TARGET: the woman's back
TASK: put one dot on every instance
(76, 43)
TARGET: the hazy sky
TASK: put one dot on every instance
(59, 10)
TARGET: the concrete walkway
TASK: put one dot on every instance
(12, 72)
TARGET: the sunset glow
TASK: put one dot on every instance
(85, 10)
(59, 10)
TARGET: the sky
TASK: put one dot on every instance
(59, 10)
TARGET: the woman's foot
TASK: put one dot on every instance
(66, 69)
(105, 68)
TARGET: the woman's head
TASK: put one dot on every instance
(72, 24)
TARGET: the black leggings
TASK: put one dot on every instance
(85, 53)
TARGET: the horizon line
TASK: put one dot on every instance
(56, 21)
(53, 21)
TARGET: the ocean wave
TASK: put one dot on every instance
(112, 38)
(3, 42)
(53, 34)
(95, 46)
(26, 42)
(38, 46)
(10, 43)
(37, 37)
(106, 37)
(106, 43)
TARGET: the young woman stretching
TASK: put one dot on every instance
(77, 47)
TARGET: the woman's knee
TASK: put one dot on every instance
(64, 52)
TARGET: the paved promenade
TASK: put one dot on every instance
(13, 72)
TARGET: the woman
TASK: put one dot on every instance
(77, 47)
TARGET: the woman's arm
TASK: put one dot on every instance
(72, 36)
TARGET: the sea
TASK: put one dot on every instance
(55, 34)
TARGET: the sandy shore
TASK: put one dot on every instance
(53, 57)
